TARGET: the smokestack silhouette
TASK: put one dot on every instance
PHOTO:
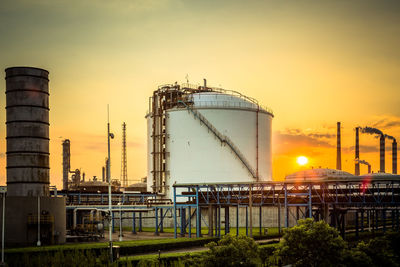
(366, 163)
(382, 154)
(357, 155)
(372, 130)
(338, 151)
(394, 153)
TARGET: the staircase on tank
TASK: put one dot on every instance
(222, 138)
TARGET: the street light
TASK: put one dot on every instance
(109, 136)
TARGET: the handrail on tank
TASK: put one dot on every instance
(222, 138)
(191, 88)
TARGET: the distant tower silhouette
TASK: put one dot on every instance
(124, 167)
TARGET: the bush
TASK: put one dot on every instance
(230, 251)
(311, 243)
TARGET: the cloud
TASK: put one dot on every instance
(387, 122)
(363, 149)
(296, 138)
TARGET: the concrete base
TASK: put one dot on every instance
(21, 220)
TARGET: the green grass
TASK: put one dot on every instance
(132, 243)
(272, 231)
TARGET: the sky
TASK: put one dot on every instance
(312, 62)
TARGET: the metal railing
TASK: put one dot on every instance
(222, 138)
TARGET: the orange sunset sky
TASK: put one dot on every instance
(312, 62)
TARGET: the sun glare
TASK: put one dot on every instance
(302, 160)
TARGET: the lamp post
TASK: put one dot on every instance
(109, 136)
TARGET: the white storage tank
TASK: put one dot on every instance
(206, 135)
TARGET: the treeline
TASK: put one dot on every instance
(309, 243)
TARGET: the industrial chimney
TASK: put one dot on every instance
(66, 162)
(27, 120)
(394, 156)
(382, 153)
(357, 151)
(338, 151)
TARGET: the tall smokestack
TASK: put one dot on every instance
(382, 153)
(394, 156)
(103, 176)
(338, 151)
(66, 162)
(357, 155)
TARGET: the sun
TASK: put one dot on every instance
(302, 160)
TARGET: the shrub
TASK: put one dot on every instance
(311, 243)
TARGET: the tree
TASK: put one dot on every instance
(231, 251)
(311, 243)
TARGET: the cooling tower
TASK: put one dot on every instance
(27, 120)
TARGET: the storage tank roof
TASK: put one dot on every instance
(319, 174)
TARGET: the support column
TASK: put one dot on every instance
(247, 221)
(190, 221)
(251, 210)
(237, 220)
(219, 220)
(362, 220)
(140, 222)
(260, 220)
(210, 220)
(133, 223)
(384, 220)
(279, 218)
(183, 221)
(112, 222)
(227, 230)
(161, 221)
(357, 223)
(156, 216)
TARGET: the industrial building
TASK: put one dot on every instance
(209, 164)
(200, 134)
(31, 214)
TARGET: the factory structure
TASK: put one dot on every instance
(209, 164)
(192, 137)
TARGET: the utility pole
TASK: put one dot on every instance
(124, 164)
